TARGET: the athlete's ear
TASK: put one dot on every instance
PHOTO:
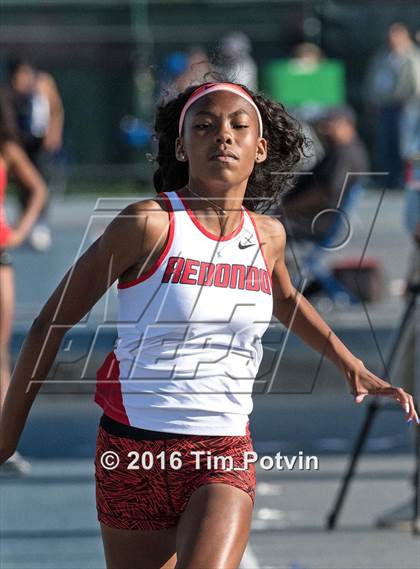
(180, 153)
(261, 153)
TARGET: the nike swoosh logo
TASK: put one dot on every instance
(245, 246)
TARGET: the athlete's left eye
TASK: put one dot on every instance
(240, 125)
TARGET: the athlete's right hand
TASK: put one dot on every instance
(15, 239)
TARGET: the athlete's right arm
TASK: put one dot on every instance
(128, 238)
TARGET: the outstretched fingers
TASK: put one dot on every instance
(407, 402)
(368, 383)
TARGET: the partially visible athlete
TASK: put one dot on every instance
(200, 275)
(14, 160)
(39, 115)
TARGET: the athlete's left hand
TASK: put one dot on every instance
(363, 382)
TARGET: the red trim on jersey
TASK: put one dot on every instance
(206, 231)
(164, 252)
(108, 389)
(259, 241)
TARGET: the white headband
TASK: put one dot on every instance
(210, 88)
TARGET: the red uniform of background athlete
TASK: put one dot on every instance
(4, 228)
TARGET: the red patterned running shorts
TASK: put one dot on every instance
(153, 495)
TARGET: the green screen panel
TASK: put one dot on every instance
(295, 84)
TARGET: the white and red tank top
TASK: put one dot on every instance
(189, 331)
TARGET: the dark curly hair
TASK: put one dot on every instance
(270, 180)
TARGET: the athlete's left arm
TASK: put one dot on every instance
(298, 314)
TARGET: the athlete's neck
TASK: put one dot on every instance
(227, 196)
(222, 208)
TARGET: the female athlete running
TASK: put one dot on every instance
(199, 276)
(13, 159)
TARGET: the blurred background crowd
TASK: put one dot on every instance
(350, 74)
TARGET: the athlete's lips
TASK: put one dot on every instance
(224, 156)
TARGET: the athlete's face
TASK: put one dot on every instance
(221, 139)
(24, 79)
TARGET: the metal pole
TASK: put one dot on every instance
(416, 396)
(143, 57)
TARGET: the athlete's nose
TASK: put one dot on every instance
(224, 135)
(224, 138)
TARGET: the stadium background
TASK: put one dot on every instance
(106, 56)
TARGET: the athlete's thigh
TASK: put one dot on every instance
(214, 528)
(7, 302)
(139, 549)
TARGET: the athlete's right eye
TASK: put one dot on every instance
(201, 126)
